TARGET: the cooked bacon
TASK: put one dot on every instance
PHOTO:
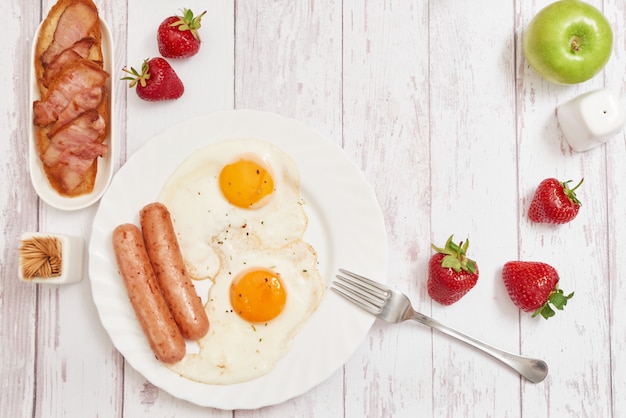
(75, 23)
(80, 49)
(71, 114)
(84, 100)
(81, 76)
(74, 148)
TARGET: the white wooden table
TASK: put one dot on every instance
(434, 101)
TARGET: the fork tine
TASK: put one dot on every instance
(364, 283)
(360, 290)
(347, 293)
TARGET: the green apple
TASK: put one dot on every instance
(568, 42)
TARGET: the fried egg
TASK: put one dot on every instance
(259, 301)
(246, 184)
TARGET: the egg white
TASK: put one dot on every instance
(235, 350)
(199, 210)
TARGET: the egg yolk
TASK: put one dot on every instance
(258, 295)
(244, 183)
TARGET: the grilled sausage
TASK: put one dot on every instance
(167, 262)
(157, 323)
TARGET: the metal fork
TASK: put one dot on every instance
(393, 306)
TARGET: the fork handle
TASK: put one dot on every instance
(534, 370)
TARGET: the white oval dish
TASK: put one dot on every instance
(105, 164)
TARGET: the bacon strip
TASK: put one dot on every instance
(69, 56)
(74, 148)
(75, 23)
(84, 100)
(79, 77)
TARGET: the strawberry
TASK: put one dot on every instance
(157, 81)
(533, 286)
(450, 273)
(177, 36)
(554, 202)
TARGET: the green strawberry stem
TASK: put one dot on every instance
(135, 77)
(455, 256)
(188, 22)
(571, 193)
(556, 298)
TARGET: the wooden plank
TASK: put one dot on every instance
(207, 76)
(18, 214)
(579, 380)
(473, 157)
(615, 152)
(387, 133)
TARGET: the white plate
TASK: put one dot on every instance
(346, 228)
(105, 164)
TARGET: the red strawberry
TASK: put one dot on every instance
(554, 202)
(450, 273)
(533, 286)
(157, 81)
(178, 37)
